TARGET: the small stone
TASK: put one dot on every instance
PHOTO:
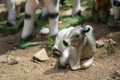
(3, 59)
(45, 31)
(41, 55)
(117, 73)
(9, 59)
(60, 22)
(99, 43)
(111, 41)
(12, 61)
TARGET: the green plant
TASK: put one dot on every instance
(104, 52)
(68, 2)
(50, 53)
(111, 48)
(50, 41)
(89, 3)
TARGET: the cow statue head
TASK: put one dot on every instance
(77, 35)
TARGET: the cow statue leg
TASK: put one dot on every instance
(11, 13)
(51, 7)
(70, 57)
(44, 13)
(64, 58)
(53, 14)
(86, 63)
(29, 20)
(76, 8)
(75, 63)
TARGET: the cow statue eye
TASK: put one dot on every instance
(77, 36)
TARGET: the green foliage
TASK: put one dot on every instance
(111, 48)
(94, 17)
(90, 6)
(10, 30)
(89, 3)
(100, 15)
(50, 41)
(70, 21)
(50, 53)
(104, 52)
(68, 2)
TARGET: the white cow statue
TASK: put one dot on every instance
(76, 47)
(116, 9)
(11, 5)
(12, 11)
(50, 8)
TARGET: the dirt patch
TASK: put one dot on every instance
(103, 68)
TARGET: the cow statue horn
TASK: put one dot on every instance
(85, 31)
(87, 28)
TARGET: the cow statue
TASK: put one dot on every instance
(12, 6)
(76, 47)
(11, 18)
(50, 8)
(116, 9)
